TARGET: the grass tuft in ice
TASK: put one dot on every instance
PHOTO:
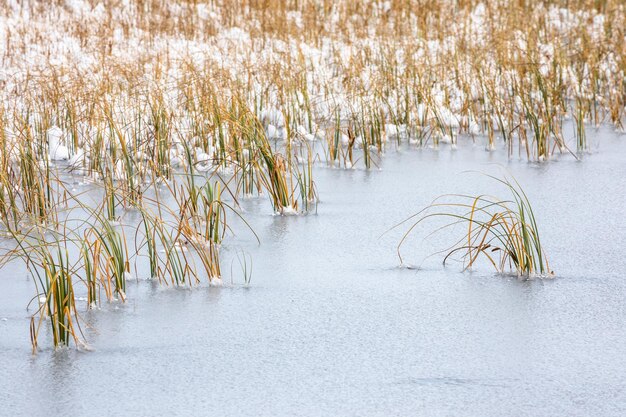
(502, 231)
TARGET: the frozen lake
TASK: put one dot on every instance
(331, 325)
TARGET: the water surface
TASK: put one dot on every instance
(330, 325)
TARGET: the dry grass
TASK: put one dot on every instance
(504, 232)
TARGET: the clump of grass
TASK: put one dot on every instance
(579, 127)
(306, 185)
(163, 238)
(504, 232)
(90, 254)
(206, 250)
(109, 255)
(35, 180)
(58, 300)
(48, 259)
